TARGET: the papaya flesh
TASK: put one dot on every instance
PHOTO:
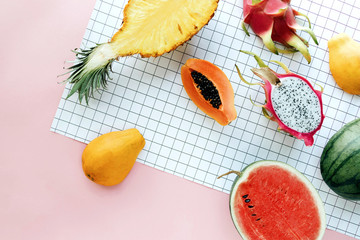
(210, 90)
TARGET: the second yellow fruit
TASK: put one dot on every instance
(344, 60)
(108, 159)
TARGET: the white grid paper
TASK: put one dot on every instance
(182, 140)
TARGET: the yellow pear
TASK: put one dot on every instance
(344, 60)
(108, 159)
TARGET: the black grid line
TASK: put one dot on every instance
(148, 94)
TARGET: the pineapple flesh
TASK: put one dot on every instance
(153, 27)
(150, 28)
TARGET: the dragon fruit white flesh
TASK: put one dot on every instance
(291, 101)
(274, 20)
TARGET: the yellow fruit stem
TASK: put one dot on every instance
(225, 174)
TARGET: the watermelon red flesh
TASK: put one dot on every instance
(273, 203)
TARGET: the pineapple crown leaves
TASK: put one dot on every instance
(85, 81)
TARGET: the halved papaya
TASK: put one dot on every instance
(210, 89)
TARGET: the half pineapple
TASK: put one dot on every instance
(150, 28)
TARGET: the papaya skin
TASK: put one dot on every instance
(344, 61)
(108, 159)
(226, 112)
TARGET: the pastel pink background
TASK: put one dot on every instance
(44, 194)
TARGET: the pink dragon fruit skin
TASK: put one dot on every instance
(308, 137)
(274, 21)
(310, 104)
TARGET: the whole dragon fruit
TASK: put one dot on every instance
(274, 20)
(291, 100)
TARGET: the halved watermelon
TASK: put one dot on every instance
(272, 200)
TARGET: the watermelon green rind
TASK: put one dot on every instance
(340, 161)
(245, 173)
(331, 152)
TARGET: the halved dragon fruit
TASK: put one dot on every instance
(274, 20)
(291, 100)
